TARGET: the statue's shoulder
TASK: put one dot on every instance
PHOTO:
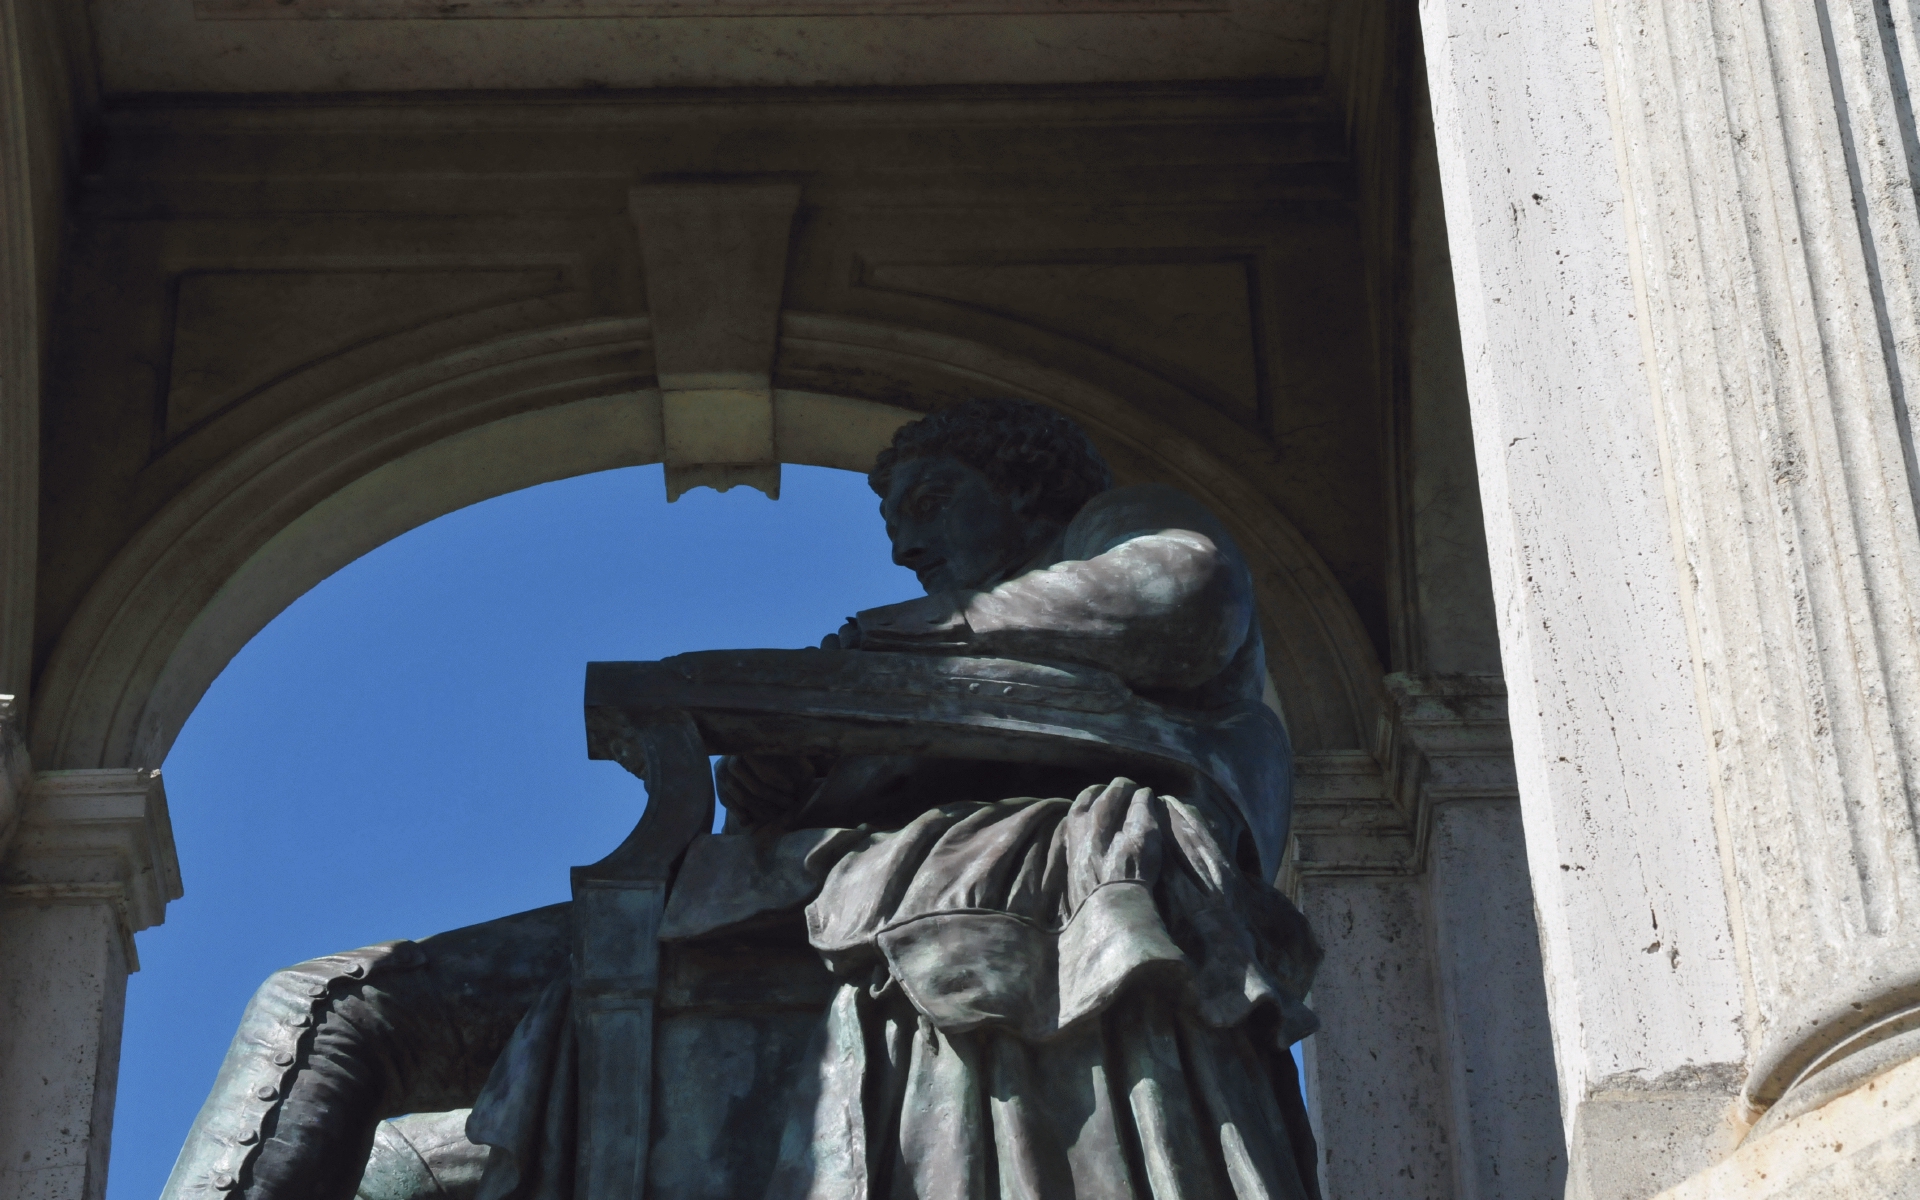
(1119, 513)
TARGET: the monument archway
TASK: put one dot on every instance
(258, 383)
(1675, 239)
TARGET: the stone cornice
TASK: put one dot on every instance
(1355, 813)
(96, 837)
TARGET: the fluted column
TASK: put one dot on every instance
(1685, 239)
(91, 863)
(1767, 149)
(1617, 799)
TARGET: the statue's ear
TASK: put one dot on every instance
(1026, 499)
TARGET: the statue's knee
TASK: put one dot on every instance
(293, 1003)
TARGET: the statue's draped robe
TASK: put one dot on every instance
(1038, 997)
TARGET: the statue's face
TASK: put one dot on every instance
(951, 526)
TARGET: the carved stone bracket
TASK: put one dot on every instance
(716, 265)
(97, 837)
(1356, 813)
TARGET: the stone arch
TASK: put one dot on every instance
(403, 446)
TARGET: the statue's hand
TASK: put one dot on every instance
(847, 639)
(762, 789)
(1115, 835)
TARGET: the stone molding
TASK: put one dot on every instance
(415, 10)
(1768, 154)
(1369, 814)
(97, 837)
(629, 44)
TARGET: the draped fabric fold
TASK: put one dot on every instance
(528, 1112)
(1040, 998)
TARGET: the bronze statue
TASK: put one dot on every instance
(947, 946)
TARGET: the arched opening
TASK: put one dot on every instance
(370, 452)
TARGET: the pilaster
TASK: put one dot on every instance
(1638, 921)
(92, 863)
(1434, 1074)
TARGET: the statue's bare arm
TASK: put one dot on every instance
(1149, 586)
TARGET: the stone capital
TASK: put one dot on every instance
(1450, 740)
(96, 837)
(1445, 739)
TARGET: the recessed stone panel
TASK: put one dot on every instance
(236, 332)
(1190, 321)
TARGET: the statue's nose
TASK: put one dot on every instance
(909, 549)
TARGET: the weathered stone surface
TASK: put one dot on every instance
(1384, 1129)
(1594, 625)
(1864, 1145)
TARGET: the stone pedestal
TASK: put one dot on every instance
(92, 862)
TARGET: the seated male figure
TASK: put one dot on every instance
(1053, 983)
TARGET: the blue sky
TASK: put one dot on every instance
(401, 751)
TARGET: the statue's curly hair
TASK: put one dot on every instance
(1014, 444)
